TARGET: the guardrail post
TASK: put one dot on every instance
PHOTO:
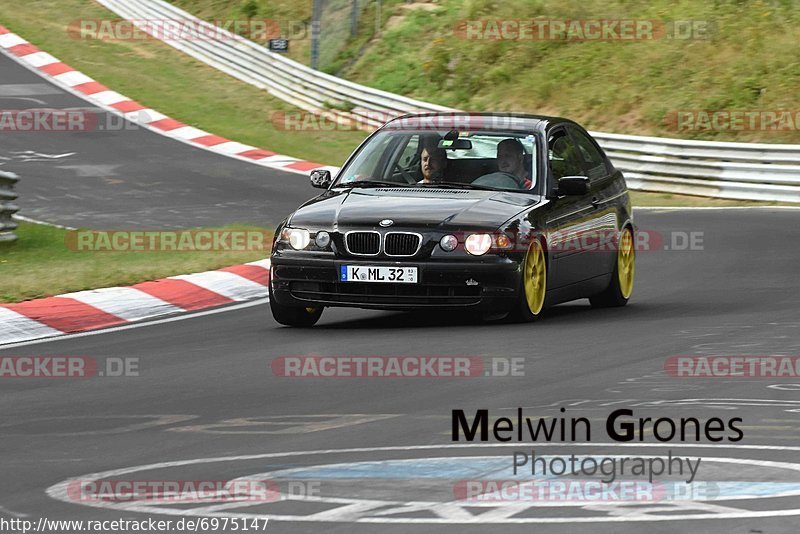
(7, 206)
(316, 18)
(354, 18)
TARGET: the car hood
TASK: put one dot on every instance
(412, 207)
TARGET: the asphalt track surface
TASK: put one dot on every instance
(122, 176)
(206, 388)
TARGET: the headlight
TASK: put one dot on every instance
(298, 238)
(478, 244)
(322, 239)
(448, 243)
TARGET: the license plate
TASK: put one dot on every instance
(367, 273)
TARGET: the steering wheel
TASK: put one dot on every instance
(405, 174)
(405, 171)
(504, 180)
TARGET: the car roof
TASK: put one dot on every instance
(507, 121)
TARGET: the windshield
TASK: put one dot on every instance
(481, 160)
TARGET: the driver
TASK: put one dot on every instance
(433, 162)
(511, 160)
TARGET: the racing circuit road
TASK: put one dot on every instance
(206, 388)
(121, 175)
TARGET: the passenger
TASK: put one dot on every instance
(511, 160)
(433, 162)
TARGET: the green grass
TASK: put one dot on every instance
(608, 86)
(162, 78)
(337, 48)
(40, 264)
(749, 63)
(291, 17)
(628, 87)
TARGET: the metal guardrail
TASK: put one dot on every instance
(725, 170)
(7, 206)
(744, 171)
(285, 79)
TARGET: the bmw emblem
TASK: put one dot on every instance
(386, 222)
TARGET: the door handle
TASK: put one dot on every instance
(595, 202)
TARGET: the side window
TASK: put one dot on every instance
(404, 165)
(408, 158)
(594, 160)
(563, 156)
(369, 164)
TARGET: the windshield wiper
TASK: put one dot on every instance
(370, 183)
(458, 185)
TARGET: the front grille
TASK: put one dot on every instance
(356, 293)
(401, 244)
(363, 243)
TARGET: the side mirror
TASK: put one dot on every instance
(573, 185)
(321, 178)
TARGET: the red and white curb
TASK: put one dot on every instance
(113, 306)
(108, 307)
(98, 94)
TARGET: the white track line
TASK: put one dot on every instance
(43, 223)
(61, 490)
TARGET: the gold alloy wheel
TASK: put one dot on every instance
(535, 277)
(625, 263)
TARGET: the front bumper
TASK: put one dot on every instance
(486, 284)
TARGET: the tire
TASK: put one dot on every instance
(620, 288)
(291, 316)
(533, 285)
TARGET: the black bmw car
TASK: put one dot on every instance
(494, 213)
